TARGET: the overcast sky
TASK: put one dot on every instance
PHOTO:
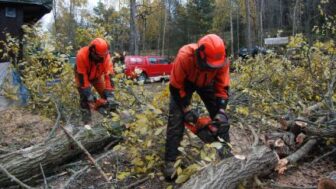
(48, 18)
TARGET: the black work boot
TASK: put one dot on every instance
(169, 170)
(86, 116)
(225, 151)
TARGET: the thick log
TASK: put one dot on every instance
(24, 164)
(309, 128)
(230, 172)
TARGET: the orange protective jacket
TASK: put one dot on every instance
(185, 68)
(88, 71)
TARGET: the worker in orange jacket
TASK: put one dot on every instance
(201, 68)
(93, 67)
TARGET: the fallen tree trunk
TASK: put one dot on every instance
(229, 172)
(24, 164)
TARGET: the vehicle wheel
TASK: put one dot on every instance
(142, 77)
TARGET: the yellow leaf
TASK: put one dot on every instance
(243, 110)
(177, 163)
(191, 169)
(149, 157)
(216, 145)
(149, 143)
(181, 149)
(159, 131)
(205, 157)
(137, 162)
(181, 179)
(178, 171)
(122, 175)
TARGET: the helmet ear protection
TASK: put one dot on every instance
(201, 58)
(94, 56)
(92, 48)
(201, 52)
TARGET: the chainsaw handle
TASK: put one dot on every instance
(218, 123)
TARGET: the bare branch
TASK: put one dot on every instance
(323, 156)
(86, 153)
(293, 158)
(53, 130)
(136, 183)
(256, 138)
(44, 177)
(81, 171)
(279, 186)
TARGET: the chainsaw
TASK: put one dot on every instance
(103, 107)
(205, 128)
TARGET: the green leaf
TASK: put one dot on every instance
(205, 157)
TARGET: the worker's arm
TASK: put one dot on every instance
(222, 85)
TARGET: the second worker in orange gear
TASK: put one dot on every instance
(94, 67)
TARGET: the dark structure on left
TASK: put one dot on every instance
(15, 13)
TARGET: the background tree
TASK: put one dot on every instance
(162, 26)
(134, 33)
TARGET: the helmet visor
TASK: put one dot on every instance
(215, 62)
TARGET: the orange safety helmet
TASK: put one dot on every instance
(211, 52)
(100, 47)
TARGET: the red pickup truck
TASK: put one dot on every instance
(147, 68)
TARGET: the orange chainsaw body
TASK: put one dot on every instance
(100, 102)
(201, 123)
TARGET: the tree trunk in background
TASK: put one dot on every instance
(261, 23)
(134, 37)
(144, 36)
(248, 19)
(238, 15)
(164, 26)
(294, 17)
(280, 16)
(231, 30)
(55, 16)
(72, 25)
(308, 20)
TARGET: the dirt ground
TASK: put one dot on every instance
(20, 129)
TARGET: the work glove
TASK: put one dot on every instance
(221, 117)
(111, 102)
(88, 95)
(191, 116)
(223, 125)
